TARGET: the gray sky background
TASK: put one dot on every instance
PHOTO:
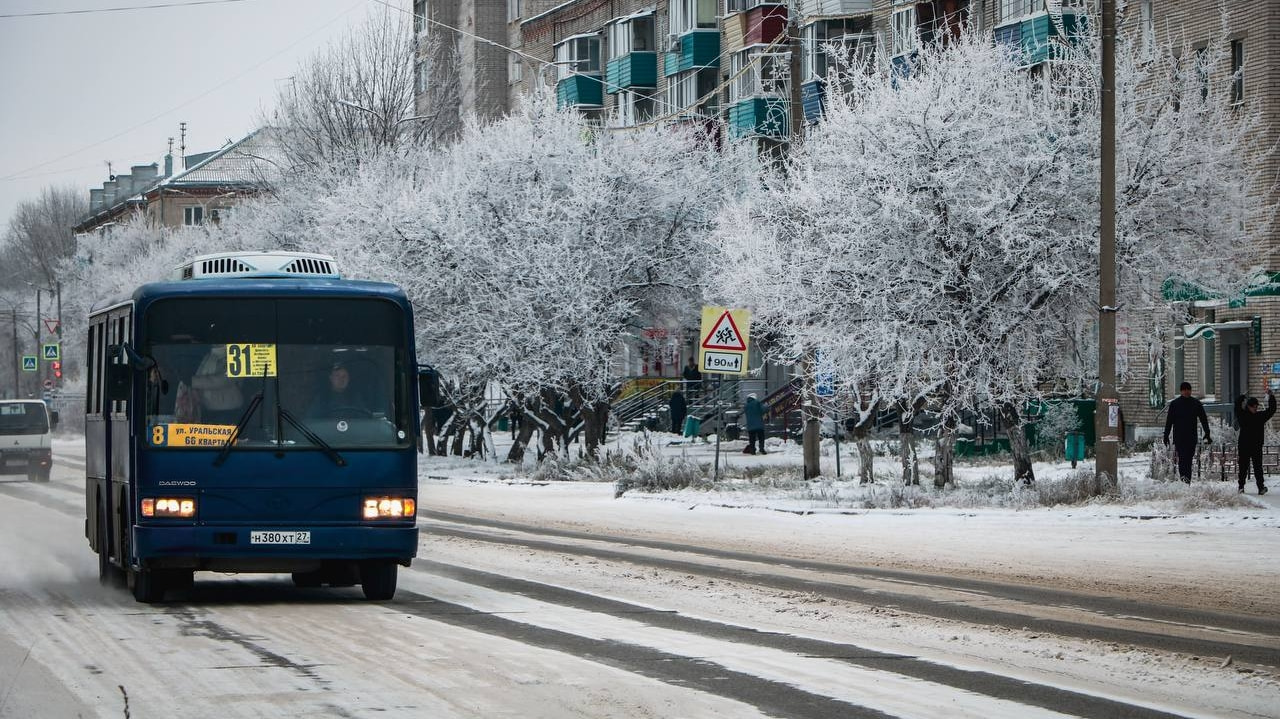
(78, 90)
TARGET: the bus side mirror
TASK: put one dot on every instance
(119, 375)
(428, 387)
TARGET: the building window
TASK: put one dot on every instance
(219, 215)
(420, 23)
(684, 91)
(422, 75)
(850, 36)
(686, 15)
(1147, 30)
(579, 54)
(755, 74)
(633, 108)
(513, 10)
(1237, 70)
(1202, 72)
(192, 216)
(515, 68)
(904, 31)
(1010, 10)
(634, 34)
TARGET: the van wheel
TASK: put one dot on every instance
(378, 579)
(39, 474)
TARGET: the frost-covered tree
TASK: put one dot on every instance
(356, 98)
(540, 244)
(936, 234)
(916, 238)
(532, 249)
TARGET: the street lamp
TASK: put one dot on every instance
(380, 116)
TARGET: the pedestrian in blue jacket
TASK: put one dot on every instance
(753, 416)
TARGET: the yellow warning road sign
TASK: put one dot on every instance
(725, 340)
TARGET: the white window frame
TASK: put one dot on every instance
(1146, 30)
(193, 215)
(515, 68)
(682, 92)
(903, 27)
(763, 77)
(422, 75)
(420, 24)
(513, 10)
(815, 48)
(633, 108)
(628, 35)
(574, 56)
(1238, 57)
(688, 15)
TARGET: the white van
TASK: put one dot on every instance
(26, 426)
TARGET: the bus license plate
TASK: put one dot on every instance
(260, 537)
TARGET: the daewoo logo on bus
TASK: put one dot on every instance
(176, 483)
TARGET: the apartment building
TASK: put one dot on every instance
(725, 64)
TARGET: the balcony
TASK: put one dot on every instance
(580, 90)
(699, 48)
(760, 117)
(1037, 36)
(636, 69)
(758, 25)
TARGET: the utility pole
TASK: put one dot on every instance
(17, 354)
(811, 436)
(1107, 410)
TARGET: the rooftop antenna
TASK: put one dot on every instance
(182, 148)
(171, 146)
(110, 175)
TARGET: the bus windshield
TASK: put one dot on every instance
(334, 366)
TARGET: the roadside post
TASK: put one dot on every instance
(723, 350)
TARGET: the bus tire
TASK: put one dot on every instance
(378, 579)
(148, 585)
(106, 572)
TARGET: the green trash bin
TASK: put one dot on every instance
(1074, 448)
(691, 426)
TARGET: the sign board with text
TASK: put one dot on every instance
(724, 340)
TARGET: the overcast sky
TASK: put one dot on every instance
(78, 90)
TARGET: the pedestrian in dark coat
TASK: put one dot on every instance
(1252, 429)
(692, 378)
(753, 417)
(678, 409)
(1184, 412)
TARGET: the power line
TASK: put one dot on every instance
(119, 9)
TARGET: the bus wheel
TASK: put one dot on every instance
(106, 572)
(148, 585)
(378, 579)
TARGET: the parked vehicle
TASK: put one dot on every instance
(26, 428)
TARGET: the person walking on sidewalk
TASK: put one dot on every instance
(753, 416)
(1184, 412)
(1252, 429)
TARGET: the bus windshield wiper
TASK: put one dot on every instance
(244, 420)
(324, 446)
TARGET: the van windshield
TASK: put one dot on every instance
(23, 418)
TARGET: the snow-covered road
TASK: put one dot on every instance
(561, 620)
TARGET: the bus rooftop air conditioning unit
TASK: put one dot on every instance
(263, 263)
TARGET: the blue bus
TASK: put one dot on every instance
(258, 413)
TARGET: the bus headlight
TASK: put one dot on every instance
(389, 507)
(169, 507)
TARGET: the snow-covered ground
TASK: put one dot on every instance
(1176, 545)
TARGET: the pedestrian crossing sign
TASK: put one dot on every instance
(52, 351)
(723, 348)
(28, 363)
